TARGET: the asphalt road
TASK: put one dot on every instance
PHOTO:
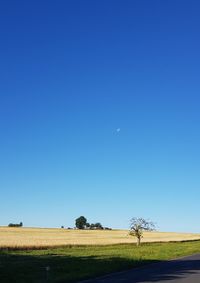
(183, 270)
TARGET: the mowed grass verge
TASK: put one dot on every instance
(71, 264)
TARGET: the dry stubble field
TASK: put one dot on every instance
(43, 237)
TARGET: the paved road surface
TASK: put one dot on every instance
(184, 270)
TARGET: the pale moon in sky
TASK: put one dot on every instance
(118, 130)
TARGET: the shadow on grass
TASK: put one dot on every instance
(28, 268)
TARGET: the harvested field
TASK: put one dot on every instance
(42, 237)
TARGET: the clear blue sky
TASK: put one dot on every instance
(72, 73)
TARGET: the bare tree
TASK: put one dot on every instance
(138, 226)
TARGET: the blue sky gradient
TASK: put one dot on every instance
(72, 73)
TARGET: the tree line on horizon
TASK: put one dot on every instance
(81, 223)
(15, 224)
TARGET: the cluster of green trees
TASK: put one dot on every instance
(15, 224)
(81, 223)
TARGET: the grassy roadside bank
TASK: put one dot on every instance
(71, 264)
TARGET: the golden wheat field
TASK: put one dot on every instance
(43, 237)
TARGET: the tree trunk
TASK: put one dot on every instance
(138, 241)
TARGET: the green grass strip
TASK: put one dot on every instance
(71, 264)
